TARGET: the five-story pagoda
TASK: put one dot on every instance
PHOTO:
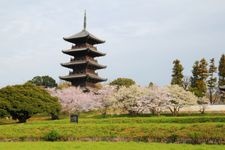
(83, 62)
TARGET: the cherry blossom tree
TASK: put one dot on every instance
(103, 96)
(178, 98)
(126, 98)
(139, 100)
(155, 100)
(74, 99)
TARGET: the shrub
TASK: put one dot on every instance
(45, 81)
(23, 101)
(194, 138)
(123, 82)
(172, 138)
(52, 136)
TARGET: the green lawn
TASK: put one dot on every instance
(188, 129)
(103, 146)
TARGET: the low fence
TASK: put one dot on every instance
(208, 108)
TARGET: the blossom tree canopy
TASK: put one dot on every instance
(133, 99)
(155, 100)
(104, 96)
(74, 99)
(179, 97)
(126, 98)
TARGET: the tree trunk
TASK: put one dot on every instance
(176, 110)
(210, 96)
(203, 111)
(153, 111)
(54, 117)
(132, 113)
(158, 113)
(171, 110)
(22, 119)
(104, 111)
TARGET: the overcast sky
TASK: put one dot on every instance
(143, 37)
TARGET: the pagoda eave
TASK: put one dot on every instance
(78, 51)
(88, 63)
(80, 76)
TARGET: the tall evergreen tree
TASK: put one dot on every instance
(194, 76)
(211, 82)
(177, 75)
(198, 80)
(222, 70)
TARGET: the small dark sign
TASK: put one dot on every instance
(74, 118)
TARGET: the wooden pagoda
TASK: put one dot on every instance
(83, 62)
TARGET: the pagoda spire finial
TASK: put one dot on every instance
(85, 20)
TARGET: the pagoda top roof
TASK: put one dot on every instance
(83, 36)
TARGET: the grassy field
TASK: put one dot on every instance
(185, 129)
(104, 145)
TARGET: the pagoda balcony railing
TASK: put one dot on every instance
(92, 59)
(77, 59)
(93, 47)
(84, 46)
(92, 72)
(82, 72)
(96, 74)
(83, 58)
(74, 73)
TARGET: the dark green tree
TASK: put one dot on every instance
(45, 81)
(23, 101)
(199, 77)
(3, 105)
(194, 76)
(123, 82)
(211, 82)
(221, 70)
(177, 75)
(151, 84)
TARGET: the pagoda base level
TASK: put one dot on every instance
(83, 84)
